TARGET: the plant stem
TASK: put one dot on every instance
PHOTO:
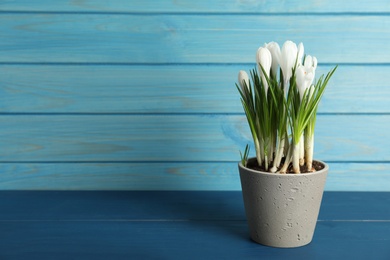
(279, 154)
(301, 151)
(266, 147)
(272, 149)
(258, 152)
(309, 148)
(286, 161)
(295, 157)
(274, 165)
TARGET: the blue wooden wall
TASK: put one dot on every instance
(134, 95)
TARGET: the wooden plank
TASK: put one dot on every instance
(119, 176)
(174, 89)
(358, 177)
(120, 205)
(170, 176)
(171, 206)
(347, 206)
(187, 6)
(144, 138)
(178, 240)
(114, 38)
(125, 225)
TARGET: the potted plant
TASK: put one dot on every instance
(282, 186)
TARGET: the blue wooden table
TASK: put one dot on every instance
(178, 225)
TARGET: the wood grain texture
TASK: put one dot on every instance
(203, 6)
(171, 206)
(170, 176)
(176, 240)
(169, 89)
(108, 38)
(175, 138)
(92, 90)
(125, 225)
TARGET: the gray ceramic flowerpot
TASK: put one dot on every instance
(282, 209)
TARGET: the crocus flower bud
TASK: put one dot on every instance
(264, 58)
(288, 57)
(243, 80)
(274, 49)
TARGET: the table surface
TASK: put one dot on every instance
(178, 225)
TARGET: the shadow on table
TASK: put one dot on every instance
(215, 210)
(220, 211)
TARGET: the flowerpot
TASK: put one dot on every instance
(282, 209)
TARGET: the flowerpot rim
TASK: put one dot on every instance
(325, 169)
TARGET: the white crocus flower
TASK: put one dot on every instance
(243, 80)
(311, 63)
(290, 56)
(287, 59)
(304, 78)
(274, 48)
(305, 74)
(264, 58)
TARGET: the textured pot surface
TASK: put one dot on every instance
(282, 209)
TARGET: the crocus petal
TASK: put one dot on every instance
(308, 61)
(274, 48)
(243, 79)
(287, 59)
(309, 79)
(311, 65)
(264, 58)
(304, 78)
(301, 51)
(300, 80)
(315, 63)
